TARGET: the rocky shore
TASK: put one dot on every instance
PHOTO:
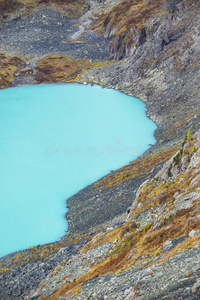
(153, 254)
(127, 237)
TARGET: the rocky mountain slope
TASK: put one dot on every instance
(134, 234)
(155, 252)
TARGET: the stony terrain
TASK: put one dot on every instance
(48, 31)
(134, 234)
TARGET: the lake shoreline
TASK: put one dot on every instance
(68, 158)
(159, 64)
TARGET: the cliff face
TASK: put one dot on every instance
(133, 23)
(148, 49)
(162, 60)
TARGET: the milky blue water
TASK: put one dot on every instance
(54, 141)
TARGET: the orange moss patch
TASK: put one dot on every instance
(3, 270)
(152, 195)
(102, 238)
(128, 14)
(8, 66)
(59, 67)
(180, 225)
(53, 68)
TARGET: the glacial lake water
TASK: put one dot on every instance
(54, 141)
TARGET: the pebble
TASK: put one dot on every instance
(192, 233)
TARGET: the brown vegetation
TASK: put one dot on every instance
(59, 67)
(136, 168)
(129, 14)
(7, 6)
(8, 66)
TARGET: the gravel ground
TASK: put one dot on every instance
(47, 31)
(173, 279)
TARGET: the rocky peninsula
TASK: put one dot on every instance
(134, 234)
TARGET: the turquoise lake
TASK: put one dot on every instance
(54, 141)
